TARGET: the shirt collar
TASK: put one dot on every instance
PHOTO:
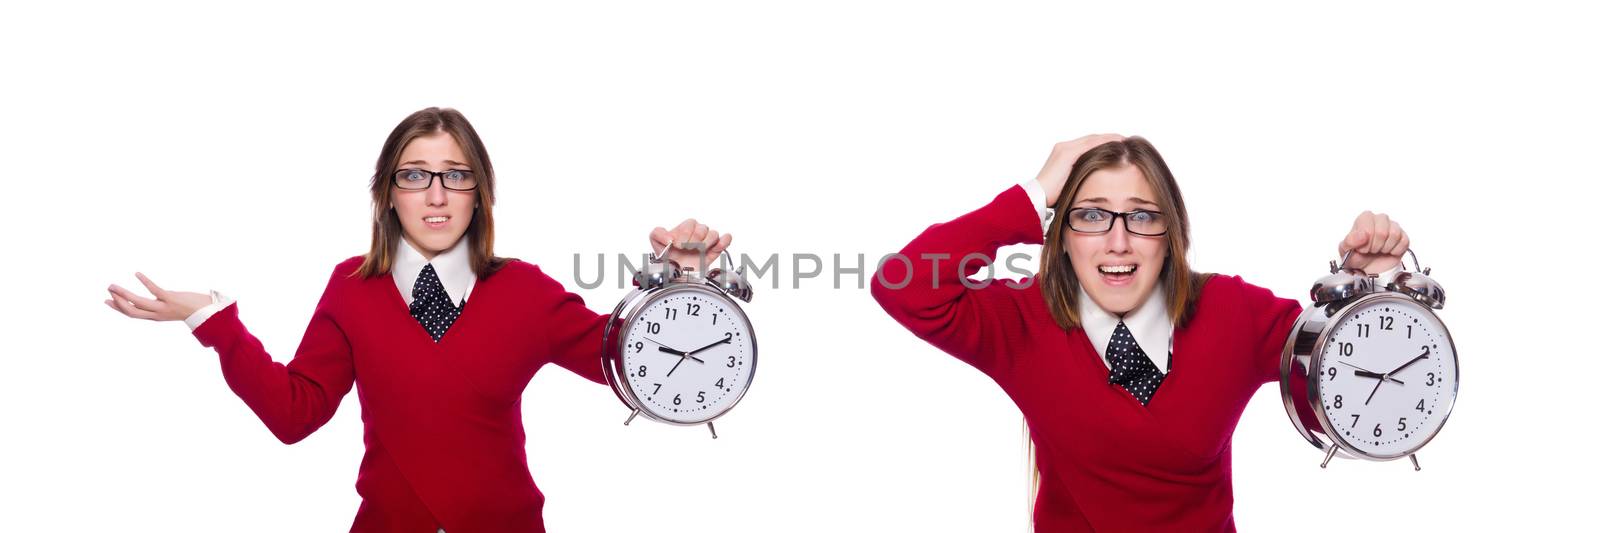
(454, 268)
(1149, 323)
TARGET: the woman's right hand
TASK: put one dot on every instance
(168, 305)
(1056, 169)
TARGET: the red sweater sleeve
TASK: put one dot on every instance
(572, 330)
(981, 326)
(292, 400)
(1270, 318)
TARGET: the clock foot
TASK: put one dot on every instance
(1414, 464)
(1332, 449)
(630, 417)
(713, 429)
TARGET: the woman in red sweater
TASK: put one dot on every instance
(440, 386)
(1130, 369)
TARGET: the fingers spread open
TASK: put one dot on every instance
(127, 308)
(151, 286)
(141, 302)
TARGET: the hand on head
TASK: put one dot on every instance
(1059, 166)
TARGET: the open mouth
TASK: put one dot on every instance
(436, 222)
(1118, 274)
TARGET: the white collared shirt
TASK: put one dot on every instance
(1151, 327)
(454, 268)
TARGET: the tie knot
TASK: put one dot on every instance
(428, 286)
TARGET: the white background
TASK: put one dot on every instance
(230, 148)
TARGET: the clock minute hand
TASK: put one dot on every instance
(1408, 363)
(724, 340)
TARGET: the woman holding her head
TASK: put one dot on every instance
(440, 386)
(1131, 369)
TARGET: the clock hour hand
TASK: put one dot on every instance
(679, 354)
(1370, 374)
(664, 347)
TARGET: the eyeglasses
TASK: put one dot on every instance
(416, 179)
(1096, 220)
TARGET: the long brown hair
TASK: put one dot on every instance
(386, 230)
(1060, 284)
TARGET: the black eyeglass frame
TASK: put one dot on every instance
(431, 177)
(1113, 225)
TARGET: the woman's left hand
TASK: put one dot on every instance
(1378, 243)
(689, 240)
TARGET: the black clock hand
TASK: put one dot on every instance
(1370, 374)
(724, 340)
(675, 366)
(664, 347)
(1374, 392)
(1409, 363)
(1361, 371)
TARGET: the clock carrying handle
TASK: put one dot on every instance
(664, 249)
(1416, 266)
(727, 263)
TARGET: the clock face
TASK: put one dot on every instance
(1388, 376)
(688, 355)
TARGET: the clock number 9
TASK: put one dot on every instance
(1332, 372)
(638, 346)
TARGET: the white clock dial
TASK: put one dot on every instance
(1387, 378)
(688, 356)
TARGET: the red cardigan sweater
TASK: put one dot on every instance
(1105, 461)
(442, 421)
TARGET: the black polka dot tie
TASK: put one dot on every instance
(431, 306)
(1130, 367)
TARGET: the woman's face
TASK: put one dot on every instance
(433, 219)
(1117, 268)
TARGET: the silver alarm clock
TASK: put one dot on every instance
(679, 349)
(1370, 371)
